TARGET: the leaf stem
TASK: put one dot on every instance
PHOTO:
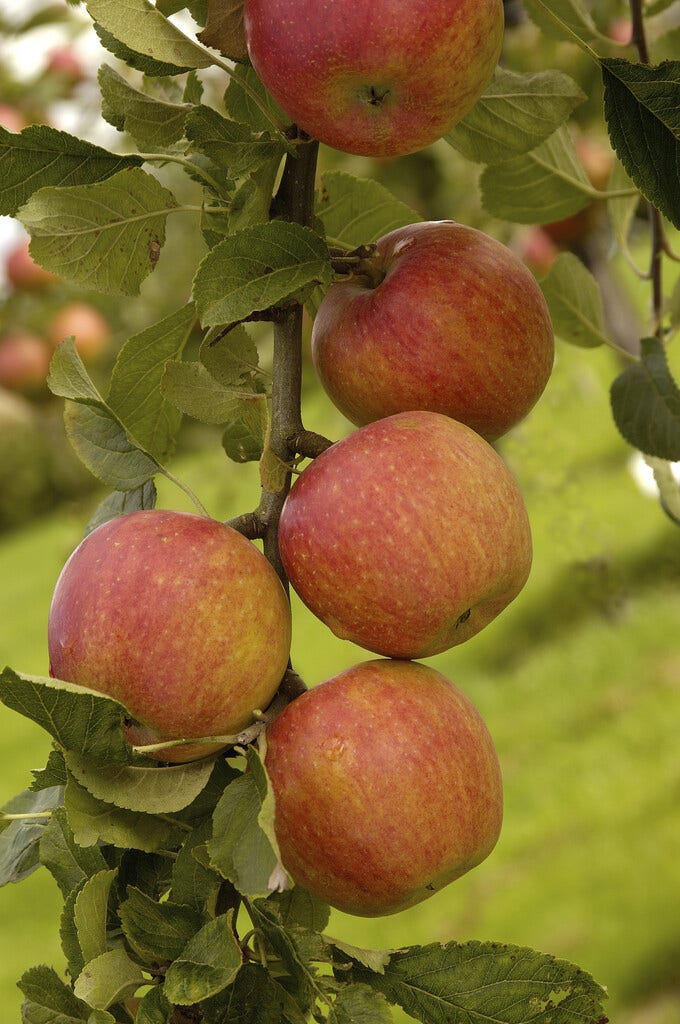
(4, 816)
(170, 158)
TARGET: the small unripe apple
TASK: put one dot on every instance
(88, 326)
(387, 787)
(408, 536)
(178, 617)
(457, 324)
(375, 77)
(24, 362)
(23, 273)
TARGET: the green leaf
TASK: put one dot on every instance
(106, 236)
(572, 12)
(297, 947)
(108, 979)
(622, 210)
(244, 439)
(224, 29)
(482, 981)
(120, 502)
(255, 997)
(139, 61)
(153, 124)
(138, 25)
(360, 1004)
(77, 718)
(251, 203)
(230, 356)
(157, 932)
(575, 302)
(191, 388)
(209, 962)
(90, 914)
(239, 848)
(153, 790)
(193, 884)
(42, 156)
(374, 959)
(241, 106)
(102, 444)
(646, 404)
(547, 184)
(154, 1008)
(515, 113)
(20, 838)
(93, 821)
(68, 863)
(231, 145)
(53, 774)
(68, 933)
(49, 1000)
(357, 211)
(258, 268)
(643, 116)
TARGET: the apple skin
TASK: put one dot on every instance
(458, 325)
(387, 787)
(375, 77)
(23, 273)
(176, 616)
(408, 536)
(90, 329)
(24, 362)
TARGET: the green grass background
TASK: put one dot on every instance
(579, 682)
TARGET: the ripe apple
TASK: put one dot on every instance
(178, 617)
(387, 787)
(24, 362)
(65, 62)
(11, 118)
(457, 325)
(408, 536)
(537, 249)
(90, 329)
(375, 77)
(23, 273)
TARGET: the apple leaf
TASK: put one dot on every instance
(157, 790)
(154, 1008)
(107, 236)
(572, 13)
(251, 202)
(157, 932)
(486, 981)
(258, 268)
(138, 25)
(90, 913)
(255, 997)
(547, 184)
(231, 145)
(119, 502)
(93, 821)
(623, 209)
(229, 356)
(298, 948)
(241, 106)
(193, 884)
(374, 959)
(49, 1000)
(139, 61)
(135, 395)
(298, 907)
(20, 837)
(77, 718)
(515, 113)
(152, 123)
(575, 302)
(193, 390)
(356, 211)
(646, 404)
(68, 863)
(101, 443)
(53, 774)
(108, 979)
(208, 963)
(224, 29)
(41, 156)
(643, 116)
(239, 848)
(68, 933)
(243, 440)
(360, 1004)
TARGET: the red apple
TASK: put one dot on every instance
(408, 536)
(24, 362)
(65, 62)
(375, 77)
(11, 118)
(23, 273)
(621, 31)
(537, 249)
(457, 325)
(90, 329)
(178, 617)
(386, 784)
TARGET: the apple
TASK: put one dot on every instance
(457, 324)
(23, 273)
(375, 77)
(24, 362)
(408, 536)
(176, 616)
(537, 249)
(90, 329)
(386, 784)
(65, 62)
(11, 118)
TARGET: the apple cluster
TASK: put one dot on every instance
(407, 537)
